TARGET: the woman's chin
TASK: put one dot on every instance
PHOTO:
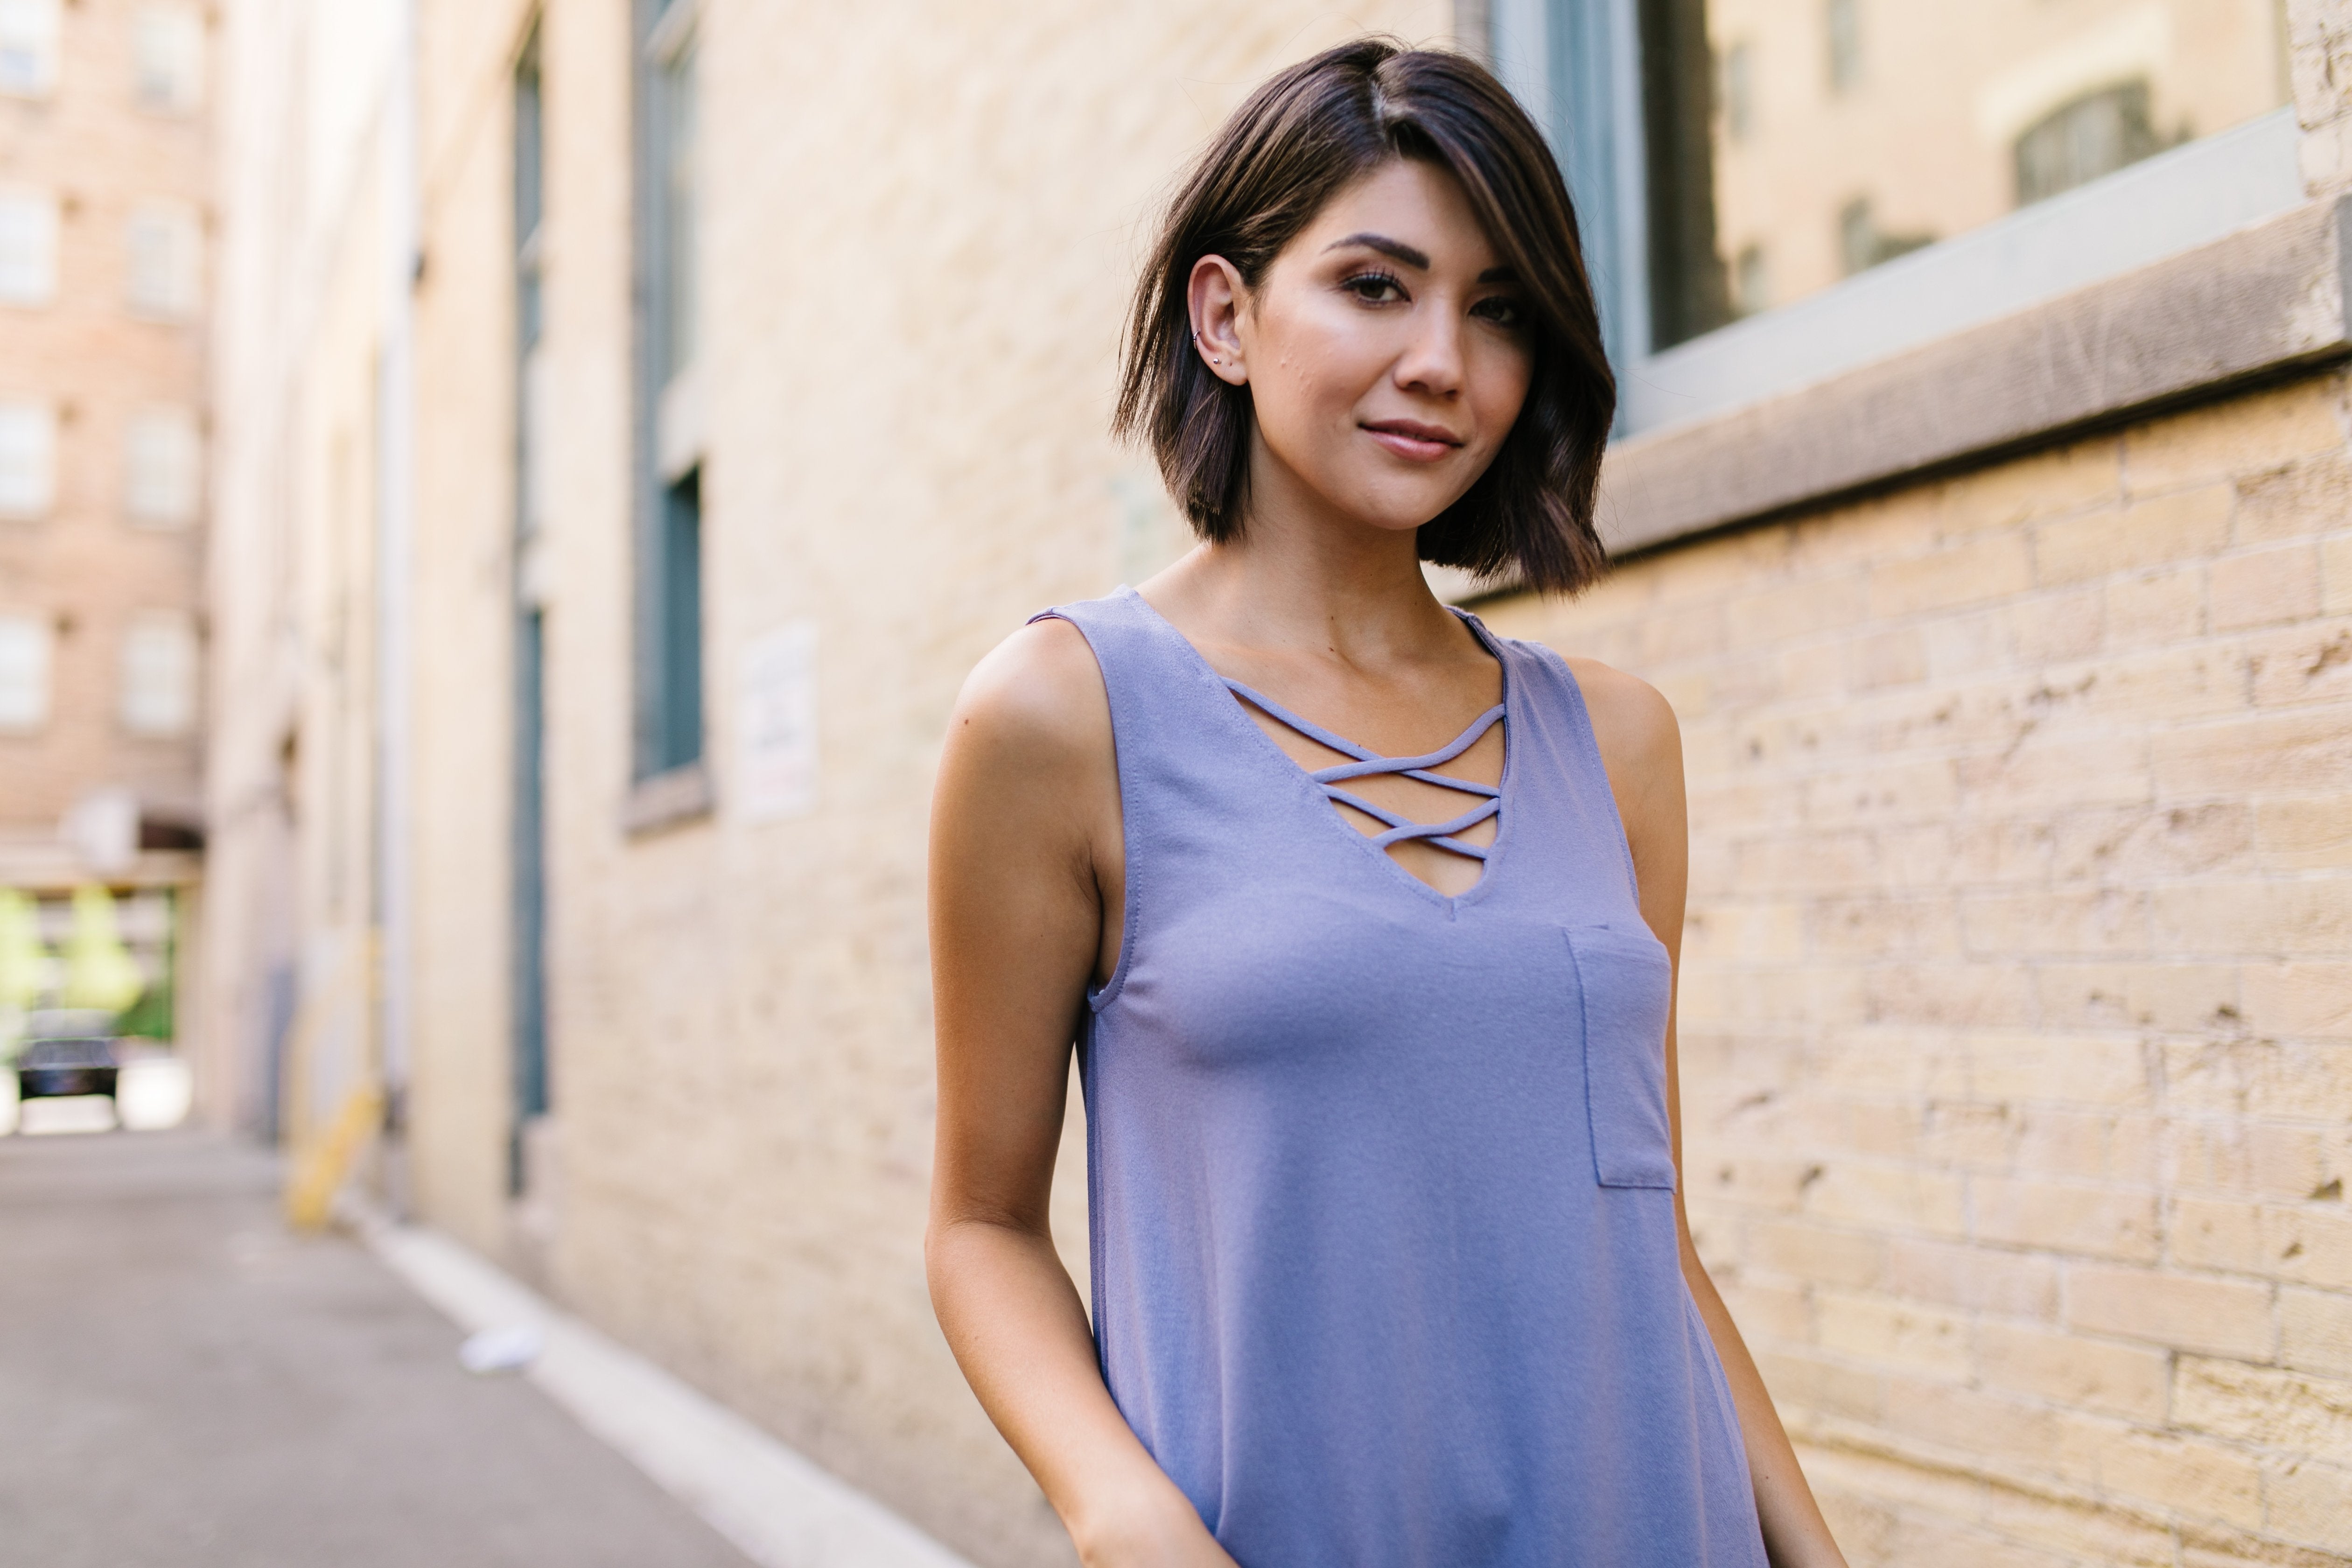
(1393, 513)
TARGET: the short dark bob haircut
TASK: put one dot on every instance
(1299, 139)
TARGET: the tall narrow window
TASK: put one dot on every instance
(681, 738)
(29, 460)
(28, 248)
(1844, 18)
(159, 675)
(1740, 92)
(678, 213)
(1863, 244)
(28, 47)
(24, 673)
(529, 892)
(161, 480)
(1751, 282)
(165, 260)
(669, 597)
(167, 54)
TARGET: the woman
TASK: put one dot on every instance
(1373, 1007)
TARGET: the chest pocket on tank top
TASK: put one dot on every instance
(1624, 982)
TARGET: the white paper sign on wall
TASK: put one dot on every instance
(777, 714)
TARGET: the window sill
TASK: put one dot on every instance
(2147, 212)
(2264, 300)
(664, 801)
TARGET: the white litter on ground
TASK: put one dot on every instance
(509, 1349)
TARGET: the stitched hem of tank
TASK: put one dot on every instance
(1591, 742)
(1098, 999)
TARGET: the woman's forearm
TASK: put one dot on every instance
(1795, 1534)
(1019, 1330)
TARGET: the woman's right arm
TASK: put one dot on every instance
(1025, 847)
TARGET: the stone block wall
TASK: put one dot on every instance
(2016, 1007)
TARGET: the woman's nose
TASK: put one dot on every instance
(1432, 360)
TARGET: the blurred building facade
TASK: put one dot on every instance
(637, 417)
(105, 214)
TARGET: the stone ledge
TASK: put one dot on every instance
(2268, 299)
(34, 861)
(667, 800)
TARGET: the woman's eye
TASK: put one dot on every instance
(1502, 312)
(1375, 288)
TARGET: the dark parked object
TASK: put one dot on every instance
(51, 1069)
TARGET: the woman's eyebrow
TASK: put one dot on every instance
(1406, 253)
(1397, 248)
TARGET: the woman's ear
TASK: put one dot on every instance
(1215, 296)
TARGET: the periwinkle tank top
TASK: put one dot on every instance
(1384, 1256)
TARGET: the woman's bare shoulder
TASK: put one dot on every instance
(1035, 702)
(1632, 721)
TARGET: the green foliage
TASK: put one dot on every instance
(22, 956)
(150, 1017)
(101, 973)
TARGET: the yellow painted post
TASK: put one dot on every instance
(319, 1169)
(323, 1157)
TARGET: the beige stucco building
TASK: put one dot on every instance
(634, 421)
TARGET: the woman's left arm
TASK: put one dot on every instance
(1641, 747)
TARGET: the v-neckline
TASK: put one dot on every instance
(1304, 779)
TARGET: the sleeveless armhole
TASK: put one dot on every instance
(1099, 997)
(1590, 742)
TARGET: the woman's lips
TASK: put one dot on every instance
(1413, 442)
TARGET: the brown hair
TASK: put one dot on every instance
(1300, 138)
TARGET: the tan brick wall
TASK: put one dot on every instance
(2017, 998)
(87, 566)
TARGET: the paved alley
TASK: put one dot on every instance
(183, 1381)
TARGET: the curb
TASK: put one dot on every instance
(782, 1511)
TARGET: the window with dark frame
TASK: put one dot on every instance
(669, 685)
(680, 654)
(1725, 171)
(2094, 135)
(669, 645)
(528, 862)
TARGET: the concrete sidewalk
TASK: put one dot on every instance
(182, 1382)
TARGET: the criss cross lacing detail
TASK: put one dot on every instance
(1369, 762)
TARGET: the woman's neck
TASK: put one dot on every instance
(1303, 579)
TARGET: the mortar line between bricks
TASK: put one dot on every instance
(1871, 1444)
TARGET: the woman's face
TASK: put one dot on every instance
(1385, 350)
